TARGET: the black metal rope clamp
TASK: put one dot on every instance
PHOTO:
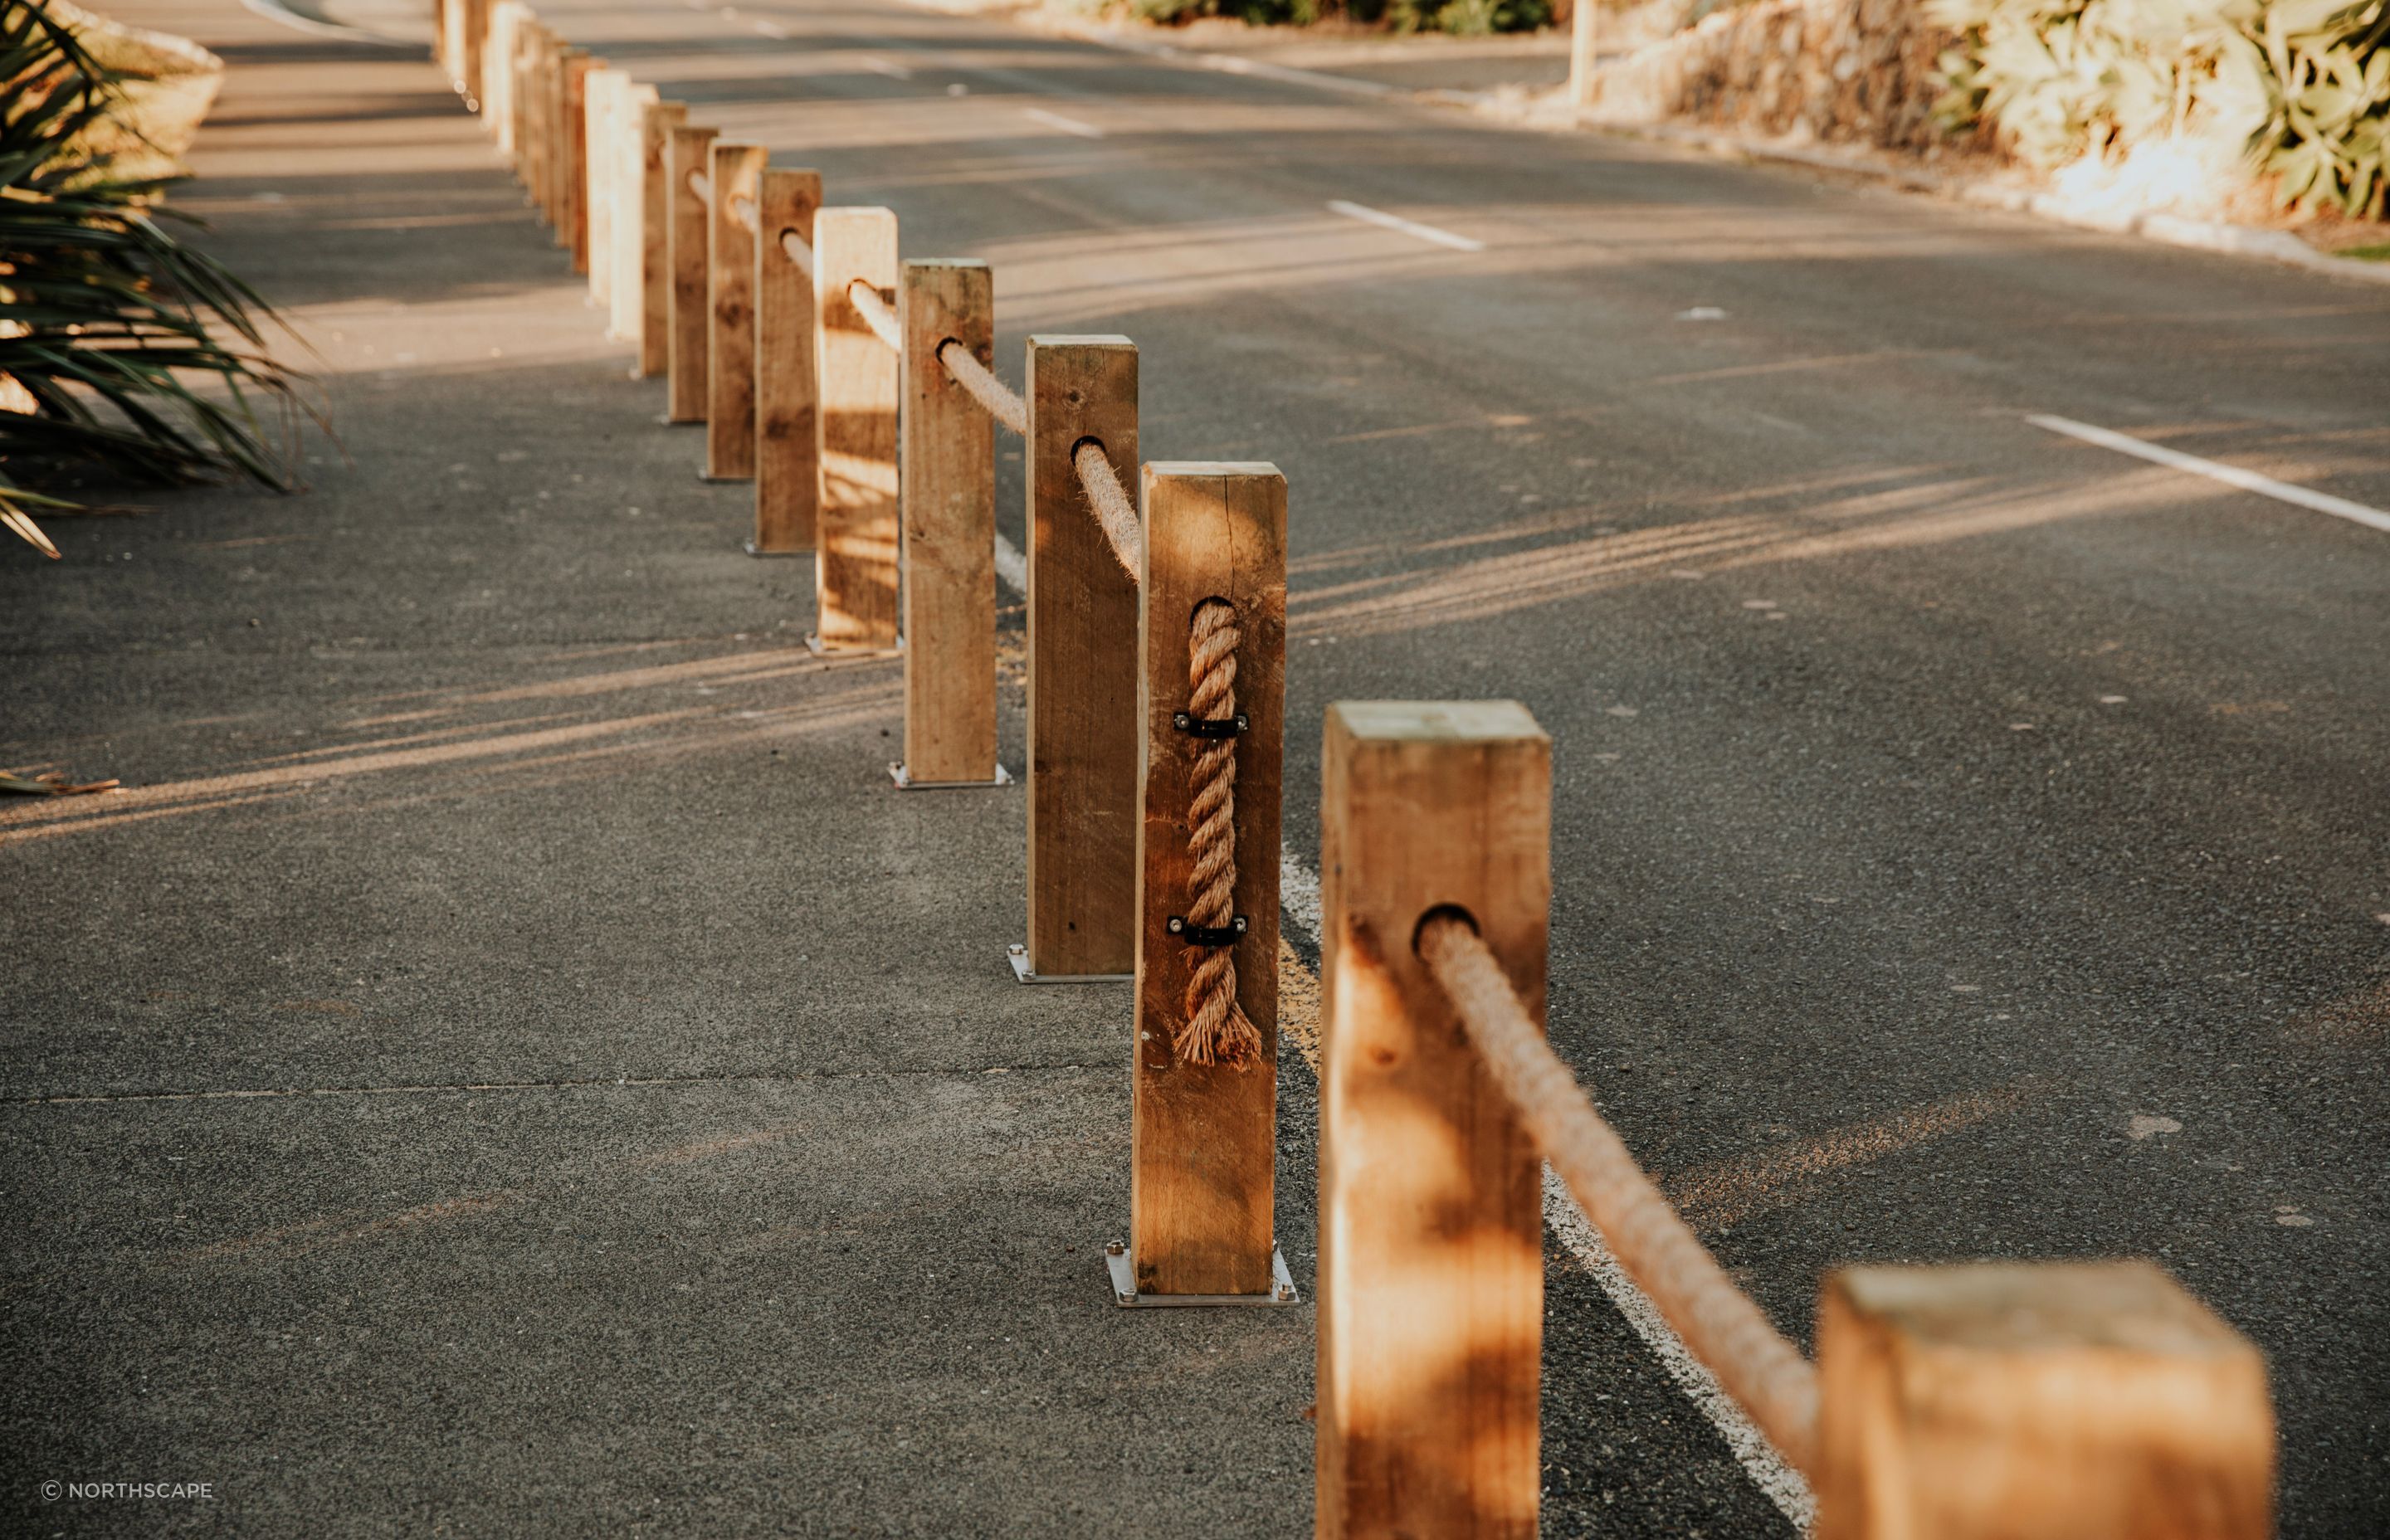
(1206, 936)
(1217, 726)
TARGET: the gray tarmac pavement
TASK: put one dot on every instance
(1968, 841)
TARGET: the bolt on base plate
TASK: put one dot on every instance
(1122, 1267)
(905, 781)
(1022, 972)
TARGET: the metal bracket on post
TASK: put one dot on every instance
(1024, 973)
(905, 781)
(1122, 1264)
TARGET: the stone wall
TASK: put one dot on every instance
(1853, 70)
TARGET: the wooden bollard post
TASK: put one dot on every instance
(626, 266)
(2064, 1401)
(522, 95)
(1431, 1235)
(498, 72)
(578, 68)
(559, 138)
(474, 34)
(446, 46)
(529, 91)
(737, 172)
(1203, 1152)
(1083, 672)
(658, 121)
(689, 244)
(600, 103)
(788, 472)
(854, 555)
(555, 145)
(946, 482)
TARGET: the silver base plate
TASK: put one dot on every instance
(671, 421)
(1122, 1267)
(819, 649)
(749, 546)
(712, 480)
(1021, 971)
(905, 781)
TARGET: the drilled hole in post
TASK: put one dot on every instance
(1441, 911)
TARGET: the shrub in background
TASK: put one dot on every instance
(121, 350)
(2295, 90)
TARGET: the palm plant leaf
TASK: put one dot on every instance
(121, 350)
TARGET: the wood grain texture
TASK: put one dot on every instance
(737, 172)
(1083, 688)
(1203, 1137)
(947, 478)
(2050, 1400)
(1430, 1250)
(690, 247)
(476, 27)
(855, 558)
(656, 123)
(788, 473)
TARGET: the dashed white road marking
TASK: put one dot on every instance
(771, 28)
(1068, 125)
(1397, 223)
(885, 67)
(2216, 470)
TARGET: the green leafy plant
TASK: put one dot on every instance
(121, 350)
(2297, 90)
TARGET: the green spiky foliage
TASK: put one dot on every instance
(123, 351)
(2300, 88)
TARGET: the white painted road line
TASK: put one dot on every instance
(274, 11)
(771, 28)
(1068, 125)
(1758, 1457)
(882, 66)
(1405, 227)
(2216, 470)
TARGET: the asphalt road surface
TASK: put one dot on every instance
(1969, 840)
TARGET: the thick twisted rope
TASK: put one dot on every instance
(1215, 1030)
(742, 212)
(793, 247)
(1113, 511)
(876, 314)
(1751, 1360)
(994, 397)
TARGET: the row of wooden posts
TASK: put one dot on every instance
(1966, 1403)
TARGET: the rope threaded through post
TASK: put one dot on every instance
(1717, 1321)
(994, 397)
(1114, 513)
(876, 314)
(1216, 1030)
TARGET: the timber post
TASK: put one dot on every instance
(1210, 736)
(946, 480)
(1083, 673)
